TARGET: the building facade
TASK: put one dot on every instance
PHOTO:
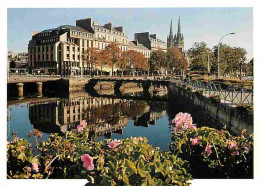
(176, 41)
(61, 50)
(136, 46)
(150, 41)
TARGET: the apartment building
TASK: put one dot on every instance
(59, 50)
(135, 45)
(150, 41)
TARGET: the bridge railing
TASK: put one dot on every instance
(229, 94)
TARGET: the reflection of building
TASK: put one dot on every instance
(104, 116)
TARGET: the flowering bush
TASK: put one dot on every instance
(214, 153)
(129, 161)
(183, 121)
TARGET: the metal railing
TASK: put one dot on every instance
(228, 94)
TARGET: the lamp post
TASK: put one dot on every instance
(218, 52)
(209, 60)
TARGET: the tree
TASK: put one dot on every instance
(231, 59)
(176, 60)
(250, 67)
(198, 56)
(91, 57)
(104, 59)
(114, 54)
(157, 60)
(123, 62)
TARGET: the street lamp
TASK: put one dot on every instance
(218, 51)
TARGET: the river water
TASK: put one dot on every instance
(106, 116)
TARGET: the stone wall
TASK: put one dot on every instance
(222, 113)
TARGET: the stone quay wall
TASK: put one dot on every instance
(224, 113)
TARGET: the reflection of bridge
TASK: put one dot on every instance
(118, 82)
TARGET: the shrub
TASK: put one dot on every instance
(129, 161)
(244, 107)
(215, 153)
(214, 99)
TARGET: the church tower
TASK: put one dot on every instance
(179, 39)
(170, 42)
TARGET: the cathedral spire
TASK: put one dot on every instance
(179, 27)
(171, 30)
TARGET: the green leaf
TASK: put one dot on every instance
(130, 166)
(125, 179)
(22, 156)
(157, 181)
(158, 166)
(111, 166)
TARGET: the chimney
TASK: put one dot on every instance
(153, 36)
(109, 26)
(85, 23)
(34, 32)
(120, 28)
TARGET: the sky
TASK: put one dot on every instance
(197, 24)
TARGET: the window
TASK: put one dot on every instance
(68, 56)
(47, 48)
(43, 49)
(68, 48)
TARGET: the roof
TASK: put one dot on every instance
(131, 44)
(102, 27)
(76, 28)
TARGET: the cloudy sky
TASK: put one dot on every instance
(198, 24)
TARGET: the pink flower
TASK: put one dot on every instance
(80, 128)
(8, 143)
(208, 150)
(113, 144)
(183, 121)
(235, 153)
(246, 149)
(87, 161)
(29, 169)
(195, 141)
(35, 167)
(232, 145)
(83, 123)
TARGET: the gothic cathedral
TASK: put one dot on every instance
(176, 41)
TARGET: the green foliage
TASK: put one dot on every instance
(198, 55)
(224, 160)
(133, 162)
(244, 107)
(157, 60)
(214, 99)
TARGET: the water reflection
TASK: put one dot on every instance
(107, 117)
(103, 115)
